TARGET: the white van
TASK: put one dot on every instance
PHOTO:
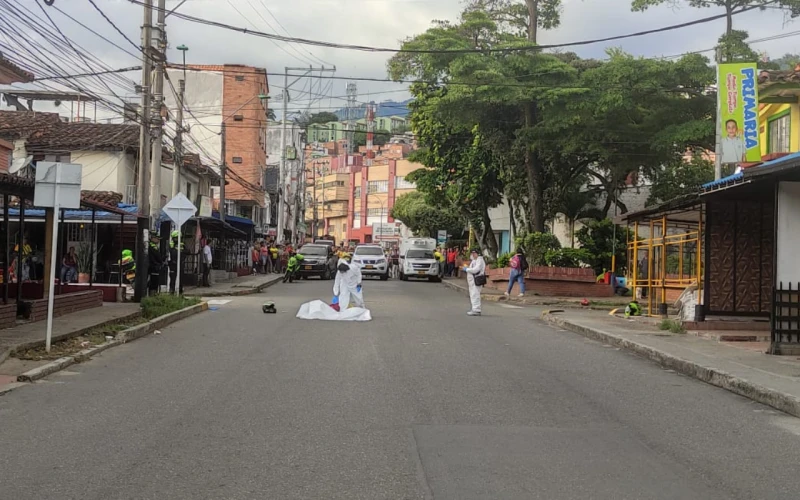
(417, 260)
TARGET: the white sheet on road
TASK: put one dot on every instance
(317, 309)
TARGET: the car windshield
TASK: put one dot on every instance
(419, 254)
(315, 250)
(369, 251)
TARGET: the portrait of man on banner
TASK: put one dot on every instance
(738, 113)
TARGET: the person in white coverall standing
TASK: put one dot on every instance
(476, 268)
(347, 285)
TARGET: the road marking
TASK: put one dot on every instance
(510, 307)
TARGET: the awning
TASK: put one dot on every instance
(218, 225)
(232, 219)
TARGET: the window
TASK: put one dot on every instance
(778, 134)
(237, 159)
(230, 207)
(239, 78)
(356, 220)
(357, 193)
(375, 212)
(401, 183)
(378, 186)
(188, 190)
(238, 118)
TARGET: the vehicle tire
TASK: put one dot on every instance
(326, 275)
(385, 277)
(403, 277)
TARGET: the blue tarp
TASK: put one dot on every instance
(740, 175)
(39, 213)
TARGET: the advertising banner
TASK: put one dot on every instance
(738, 112)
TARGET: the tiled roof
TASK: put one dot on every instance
(10, 67)
(766, 77)
(219, 67)
(18, 124)
(92, 136)
(104, 197)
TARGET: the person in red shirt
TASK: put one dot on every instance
(451, 261)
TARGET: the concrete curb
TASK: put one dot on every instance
(737, 385)
(525, 301)
(238, 293)
(123, 337)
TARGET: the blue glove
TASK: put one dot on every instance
(358, 289)
(335, 299)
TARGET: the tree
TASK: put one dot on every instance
(425, 219)
(575, 204)
(598, 238)
(679, 177)
(381, 137)
(323, 117)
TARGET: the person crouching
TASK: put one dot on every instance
(347, 285)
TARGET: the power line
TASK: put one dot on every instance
(517, 48)
(98, 9)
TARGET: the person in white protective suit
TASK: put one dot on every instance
(347, 285)
(476, 267)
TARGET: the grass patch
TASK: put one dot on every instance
(67, 347)
(672, 325)
(159, 305)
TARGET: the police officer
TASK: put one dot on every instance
(174, 265)
(155, 264)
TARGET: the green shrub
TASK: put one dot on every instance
(536, 246)
(159, 305)
(502, 261)
(568, 257)
(672, 325)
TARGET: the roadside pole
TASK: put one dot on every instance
(222, 167)
(143, 180)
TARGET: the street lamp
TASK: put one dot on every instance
(183, 49)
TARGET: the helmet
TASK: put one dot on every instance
(174, 234)
(127, 253)
(345, 256)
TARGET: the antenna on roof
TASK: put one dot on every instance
(19, 164)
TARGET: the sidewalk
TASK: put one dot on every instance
(71, 325)
(492, 295)
(243, 285)
(735, 366)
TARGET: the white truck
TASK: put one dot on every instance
(417, 260)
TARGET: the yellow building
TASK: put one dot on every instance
(779, 113)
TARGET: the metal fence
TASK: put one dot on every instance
(785, 318)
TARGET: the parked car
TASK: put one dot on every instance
(372, 260)
(318, 261)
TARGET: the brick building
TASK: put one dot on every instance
(233, 94)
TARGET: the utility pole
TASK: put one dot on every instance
(176, 173)
(718, 128)
(223, 166)
(143, 189)
(282, 191)
(158, 103)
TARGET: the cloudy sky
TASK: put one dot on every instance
(384, 23)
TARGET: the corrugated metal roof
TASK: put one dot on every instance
(724, 180)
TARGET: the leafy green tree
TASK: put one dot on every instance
(679, 177)
(323, 117)
(598, 238)
(425, 219)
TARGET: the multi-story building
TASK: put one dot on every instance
(328, 192)
(237, 96)
(374, 192)
(337, 131)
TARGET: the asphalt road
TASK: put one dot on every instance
(422, 402)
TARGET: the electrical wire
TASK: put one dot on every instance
(517, 48)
